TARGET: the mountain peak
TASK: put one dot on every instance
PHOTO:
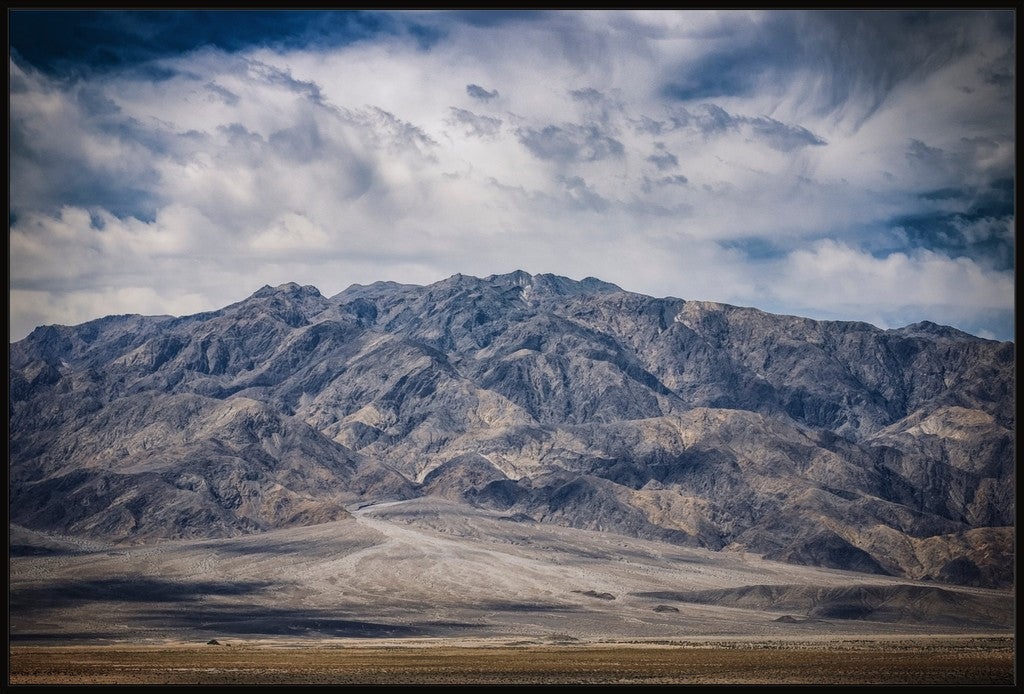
(927, 328)
(289, 289)
(366, 291)
(557, 285)
(518, 277)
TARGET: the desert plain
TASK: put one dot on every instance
(432, 591)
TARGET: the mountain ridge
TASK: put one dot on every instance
(823, 442)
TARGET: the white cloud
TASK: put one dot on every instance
(373, 161)
(830, 278)
(45, 307)
(290, 234)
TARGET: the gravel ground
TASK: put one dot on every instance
(926, 661)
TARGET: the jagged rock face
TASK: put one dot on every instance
(827, 443)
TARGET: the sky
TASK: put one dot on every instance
(850, 165)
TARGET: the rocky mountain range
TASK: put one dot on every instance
(827, 443)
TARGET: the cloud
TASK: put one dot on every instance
(79, 148)
(581, 195)
(497, 18)
(288, 235)
(896, 289)
(478, 92)
(570, 143)
(67, 307)
(227, 96)
(780, 136)
(649, 184)
(588, 96)
(663, 159)
(846, 62)
(752, 50)
(988, 240)
(101, 41)
(843, 275)
(711, 119)
(475, 125)
(283, 78)
(393, 133)
(188, 170)
(999, 71)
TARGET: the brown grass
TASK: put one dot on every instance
(975, 661)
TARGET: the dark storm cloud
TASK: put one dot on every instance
(126, 193)
(946, 194)
(156, 73)
(475, 125)
(65, 41)
(570, 143)
(50, 167)
(478, 92)
(976, 223)
(743, 53)
(495, 18)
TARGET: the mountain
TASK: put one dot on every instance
(826, 443)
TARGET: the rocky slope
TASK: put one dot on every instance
(826, 443)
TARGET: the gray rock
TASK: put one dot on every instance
(818, 442)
